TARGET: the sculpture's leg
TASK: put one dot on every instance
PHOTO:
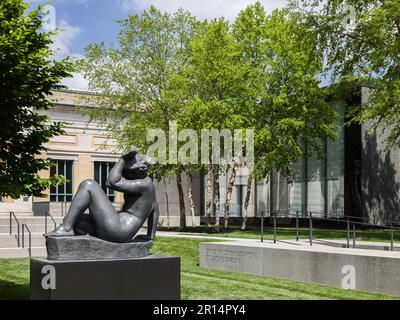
(80, 202)
(85, 225)
(90, 195)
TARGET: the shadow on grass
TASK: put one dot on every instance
(13, 291)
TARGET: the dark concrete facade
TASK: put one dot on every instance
(380, 173)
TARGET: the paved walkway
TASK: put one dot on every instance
(369, 245)
(198, 236)
(39, 249)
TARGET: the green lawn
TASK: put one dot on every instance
(290, 233)
(197, 283)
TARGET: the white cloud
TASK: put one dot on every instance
(63, 39)
(62, 47)
(203, 9)
(76, 82)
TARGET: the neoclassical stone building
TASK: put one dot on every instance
(85, 151)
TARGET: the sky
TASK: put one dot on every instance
(82, 22)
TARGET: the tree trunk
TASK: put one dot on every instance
(190, 197)
(246, 202)
(217, 196)
(209, 194)
(181, 200)
(234, 166)
(166, 198)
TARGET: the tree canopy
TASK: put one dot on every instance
(260, 72)
(285, 103)
(27, 77)
(361, 43)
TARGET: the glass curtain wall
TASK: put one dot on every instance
(335, 174)
(317, 185)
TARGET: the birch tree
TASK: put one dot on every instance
(214, 79)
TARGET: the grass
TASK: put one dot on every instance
(197, 283)
(290, 233)
(14, 278)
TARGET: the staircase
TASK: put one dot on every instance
(9, 246)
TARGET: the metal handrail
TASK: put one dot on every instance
(336, 219)
(310, 216)
(47, 214)
(24, 226)
(12, 215)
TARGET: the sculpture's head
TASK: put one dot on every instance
(137, 167)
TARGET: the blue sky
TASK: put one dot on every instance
(82, 22)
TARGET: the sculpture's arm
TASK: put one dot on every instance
(153, 221)
(131, 186)
(126, 186)
(115, 174)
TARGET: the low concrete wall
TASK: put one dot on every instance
(369, 270)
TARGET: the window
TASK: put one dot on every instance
(237, 200)
(62, 192)
(263, 196)
(101, 172)
(297, 187)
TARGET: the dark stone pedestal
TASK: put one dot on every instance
(149, 278)
(92, 248)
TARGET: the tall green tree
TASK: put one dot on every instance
(214, 82)
(285, 104)
(361, 41)
(27, 76)
(137, 81)
(249, 30)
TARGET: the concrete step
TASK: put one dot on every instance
(30, 220)
(5, 209)
(21, 253)
(10, 241)
(35, 228)
(22, 213)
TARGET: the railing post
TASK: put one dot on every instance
(354, 235)
(12, 215)
(274, 227)
(297, 226)
(30, 244)
(18, 235)
(23, 236)
(45, 221)
(391, 237)
(262, 225)
(311, 229)
(348, 233)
